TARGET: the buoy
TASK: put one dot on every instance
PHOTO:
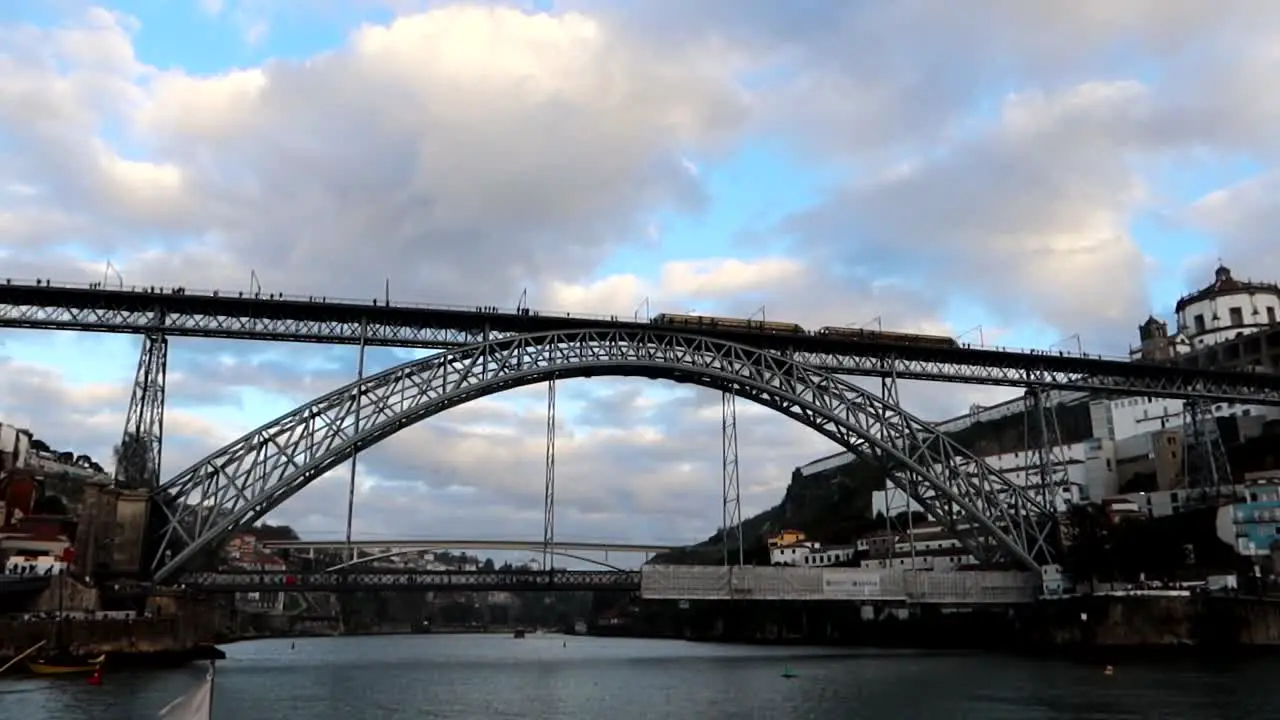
(787, 673)
(96, 677)
(293, 646)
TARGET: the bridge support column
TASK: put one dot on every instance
(355, 430)
(896, 500)
(1047, 477)
(1205, 465)
(139, 452)
(731, 505)
(549, 490)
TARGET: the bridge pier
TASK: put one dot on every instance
(137, 458)
(549, 488)
(1204, 459)
(1044, 447)
(731, 493)
(897, 499)
(138, 455)
(355, 430)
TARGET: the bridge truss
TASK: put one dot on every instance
(240, 483)
(255, 317)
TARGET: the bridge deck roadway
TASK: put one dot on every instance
(321, 320)
(463, 545)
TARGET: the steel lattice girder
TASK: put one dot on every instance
(410, 580)
(226, 316)
(243, 481)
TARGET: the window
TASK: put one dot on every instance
(1271, 315)
(1237, 316)
(1199, 321)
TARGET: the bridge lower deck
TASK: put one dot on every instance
(661, 582)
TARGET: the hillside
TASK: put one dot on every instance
(834, 506)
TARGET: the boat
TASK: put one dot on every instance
(58, 659)
(63, 664)
(519, 634)
(196, 704)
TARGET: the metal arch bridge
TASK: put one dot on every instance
(994, 518)
(387, 549)
(412, 581)
(253, 316)
(415, 544)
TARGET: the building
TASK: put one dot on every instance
(1087, 469)
(811, 554)
(39, 565)
(1226, 309)
(927, 546)
(15, 444)
(39, 535)
(243, 552)
(1252, 524)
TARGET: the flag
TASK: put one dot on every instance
(197, 704)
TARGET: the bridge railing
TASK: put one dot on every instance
(288, 297)
(382, 302)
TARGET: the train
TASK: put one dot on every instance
(706, 322)
(711, 322)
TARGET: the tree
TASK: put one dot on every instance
(1088, 535)
(40, 446)
(488, 565)
(135, 466)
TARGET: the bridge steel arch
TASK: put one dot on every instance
(996, 520)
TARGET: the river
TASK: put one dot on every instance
(549, 677)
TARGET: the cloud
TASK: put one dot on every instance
(464, 152)
(1010, 203)
(1244, 216)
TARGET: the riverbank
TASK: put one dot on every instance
(1068, 626)
(161, 637)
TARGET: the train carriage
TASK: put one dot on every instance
(711, 322)
(888, 336)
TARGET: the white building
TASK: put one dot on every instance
(15, 444)
(1089, 469)
(810, 554)
(928, 547)
(40, 565)
(1226, 309)
(1131, 417)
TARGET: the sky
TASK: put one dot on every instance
(1044, 171)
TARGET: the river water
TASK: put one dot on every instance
(470, 677)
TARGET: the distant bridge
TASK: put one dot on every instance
(516, 545)
(236, 581)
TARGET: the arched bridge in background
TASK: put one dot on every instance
(997, 520)
(361, 552)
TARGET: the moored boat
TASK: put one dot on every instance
(65, 665)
